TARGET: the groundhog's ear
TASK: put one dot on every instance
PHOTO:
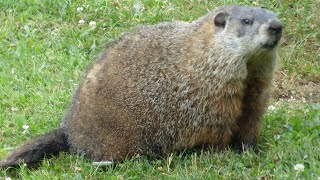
(220, 19)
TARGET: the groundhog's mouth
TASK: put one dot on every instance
(270, 45)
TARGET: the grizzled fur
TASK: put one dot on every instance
(171, 86)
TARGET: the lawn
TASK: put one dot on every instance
(46, 46)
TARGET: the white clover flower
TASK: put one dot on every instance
(77, 169)
(14, 109)
(271, 108)
(93, 24)
(25, 129)
(79, 9)
(8, 178)
(276, 137)
(291, 99)
(255, 3)
(81, 21)
(25, 126)
(55, 32)
(299, 167)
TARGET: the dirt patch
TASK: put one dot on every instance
(297, 87)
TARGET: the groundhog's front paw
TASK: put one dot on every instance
(240, 148)
(242, 144)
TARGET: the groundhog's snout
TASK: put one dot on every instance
(275, 29)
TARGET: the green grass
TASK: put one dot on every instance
(44, 52)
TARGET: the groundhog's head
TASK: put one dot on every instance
(247, 29)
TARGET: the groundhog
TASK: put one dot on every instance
(169, 87)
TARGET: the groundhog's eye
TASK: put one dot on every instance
(246, 21)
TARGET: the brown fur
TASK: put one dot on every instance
(45, 146)
(173, 86)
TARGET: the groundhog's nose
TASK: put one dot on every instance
(275, 28)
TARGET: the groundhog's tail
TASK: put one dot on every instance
(33, 151)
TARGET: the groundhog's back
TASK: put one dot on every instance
(129, 99)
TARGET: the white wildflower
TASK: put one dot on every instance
(14, 109)
(271, 108)
(299, 167)
(255, 3)
(81, 21)
(8, 178)
(55, 32)
(276, 137)
(93, 24)
(25, 129)
(79, 9)
(25, 126)
(291, 99)
(77, 169)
